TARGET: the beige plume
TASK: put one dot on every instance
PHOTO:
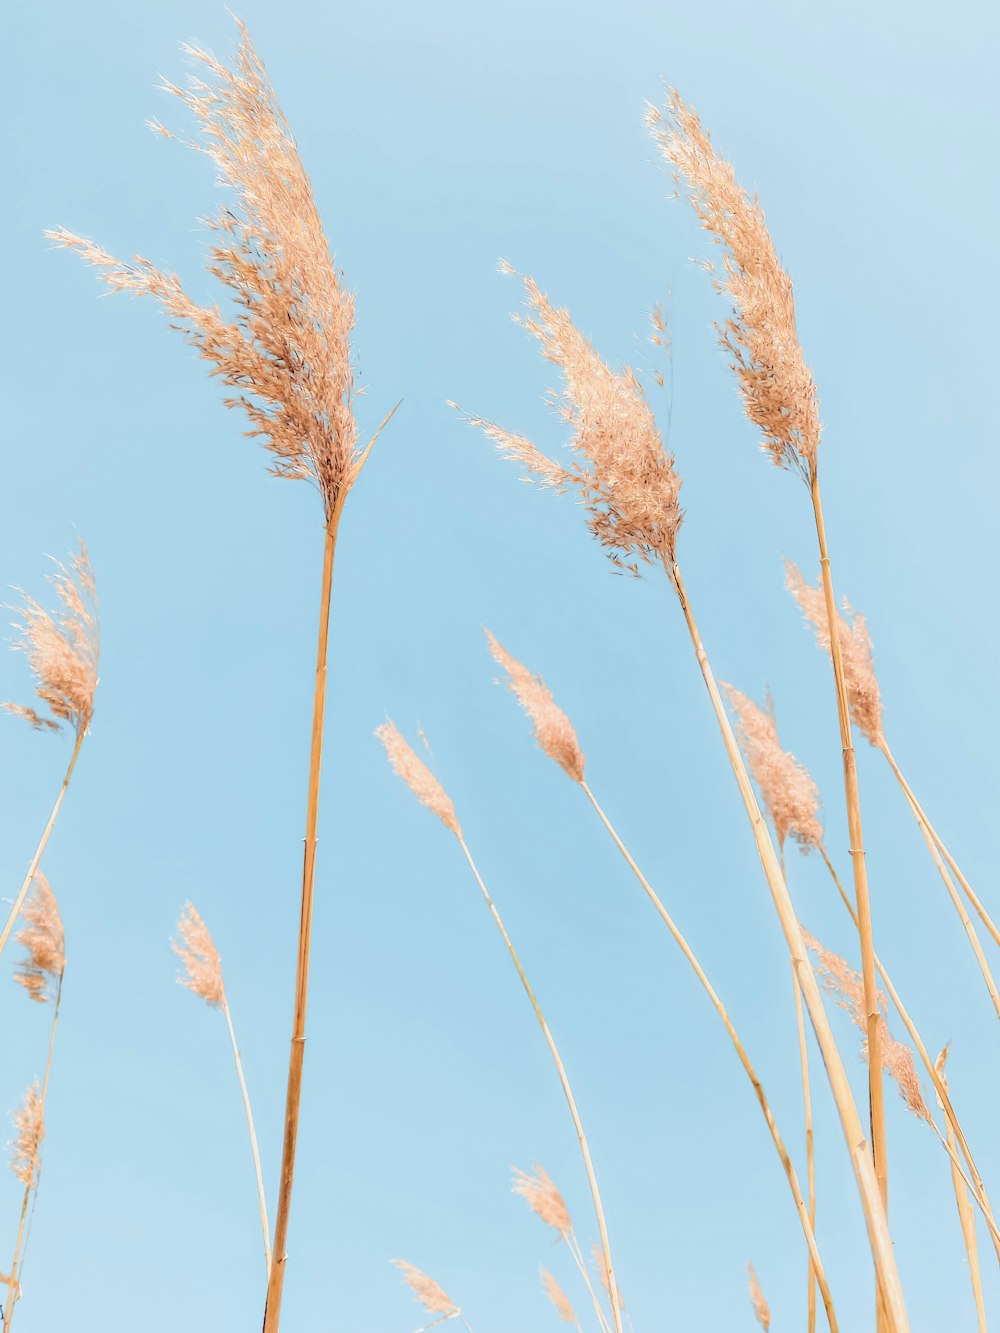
(553, 729)
(417, 776)
(43, 938)
(197, 951)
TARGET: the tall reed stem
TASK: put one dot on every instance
(860, 1153)
(262, 1202)
(853, 799)
(43, 843)
(810, 1150)
(595, 1192)
(922, 819)
(806, 1222)
(293, 1096)
(967, 1221)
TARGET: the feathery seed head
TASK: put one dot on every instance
(42, 936)
(847, 988)
(601, 1265)
(558, 1297)
(863, 696)
(29, 1121)
(760, 1306)
(553, 729)
(628, 482)
(196, 950)
(62, 647)
(286, 351)
(427, 1291)
(791, 796)
(543, 1198)
(418, 777)
(779, 394)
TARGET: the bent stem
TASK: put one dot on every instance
(967, 1221)
(860, 869)
(860, 1153)
(293, 1095)
(43, 843)
(816, 1262)
(253, 1138)
(567, 1090)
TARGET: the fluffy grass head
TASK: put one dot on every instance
(428, 1293)
(418, 777)
(43, 940)
(760, 1306)
(558, 1298)
(202, 964)
(553, 729)
(29, 1125)
(543, 1198)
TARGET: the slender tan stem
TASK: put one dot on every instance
(595, 1192)
(275, 1286)
(783, 1154)
(573, 1245)
(858, 1148)
(922, 819)
(14, 1290)
(39, 850)
(967, 1221)
(859, 865)
(253, 1138)
(940, 1086)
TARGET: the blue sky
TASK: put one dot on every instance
(439, 138)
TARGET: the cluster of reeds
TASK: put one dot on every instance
(283, 347)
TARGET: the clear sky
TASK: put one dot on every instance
(440, 137)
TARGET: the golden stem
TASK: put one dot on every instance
(816, 1263)
(293, 1096)
(858, 1148)
(253, 1138)
(967, 1221)
(567, 1090)
(39, 850)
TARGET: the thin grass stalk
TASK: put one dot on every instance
(922, 819)
(940, 1085)
(15, 911)
(595, 1192)
(293, 1094)
(967, 1221)
(573, 1245)
(858, 1148)
(816, 1262)
(253, 1139)
(860, 869)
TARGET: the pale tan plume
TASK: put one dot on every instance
(863, 696)
(558, 1298)
(29, 1122)
(778, 390)
(286, 349)
(553, 729)
(626, 478)
(202, 964)
(62, 647)
(417, 776)
(427, 1291)
(760, 1305)
(44, 940)
(543, 1198)
(789, 793)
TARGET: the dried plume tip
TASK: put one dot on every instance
(558, 1298)
(29, 1122)
(418, 777)
(863, 696)
(43, 938)
(553, 729)
(196, 950)
(286, 351)
(760, 1305)
(791, 796)
(847, 988)
(62, 647)
(427, 1291)
(778, 391)
(543, 1198)
(628, 482)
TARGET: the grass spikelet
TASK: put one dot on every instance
(44, 940)
(418, 777)
(197, 951)
(553, 729)
(760, 1306)
(558, 1298)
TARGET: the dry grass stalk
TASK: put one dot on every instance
(43, 937)
(286, 354)
(760, 1305)
(63, 651)
(29, 1122)
(966, 1217)
(559, 1299)
(203, 975)
(429, 792)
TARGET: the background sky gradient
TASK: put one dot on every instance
(440, 137)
